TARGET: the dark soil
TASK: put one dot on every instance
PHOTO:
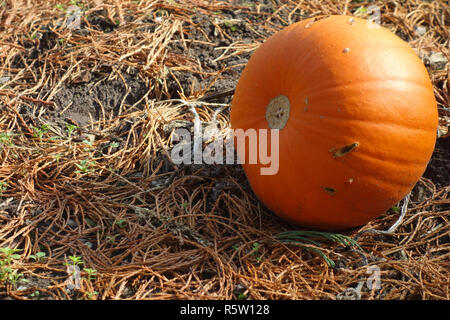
(84, 102)
(438, 169)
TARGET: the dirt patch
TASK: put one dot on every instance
(98, 100)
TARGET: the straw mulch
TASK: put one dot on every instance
(85, 124)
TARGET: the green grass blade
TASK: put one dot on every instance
(301, 238)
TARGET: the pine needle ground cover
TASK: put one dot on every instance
(93, 207)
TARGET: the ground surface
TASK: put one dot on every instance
(87, 112)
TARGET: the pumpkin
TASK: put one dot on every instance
(356, 118)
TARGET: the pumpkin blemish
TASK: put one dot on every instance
(337, 153)
(331, 191)
(346, 50)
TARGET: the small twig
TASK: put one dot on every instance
(217, 95)
(394, 227)
(22, 97)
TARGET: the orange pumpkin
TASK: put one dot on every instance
(356, 115)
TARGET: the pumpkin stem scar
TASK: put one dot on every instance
(337, 153)
(277, 112)
(331, 191)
